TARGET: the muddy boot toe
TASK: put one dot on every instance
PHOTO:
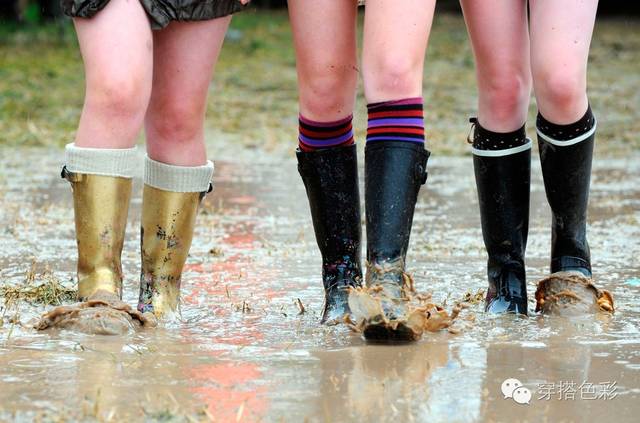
(508, 292)
(336, 305)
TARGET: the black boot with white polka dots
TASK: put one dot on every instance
(502, 163)
(566, 153)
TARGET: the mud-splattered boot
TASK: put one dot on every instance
(101, 181)
(394, 173)
(170, 201)
(566, 153)
(502, 163)
(330, 177)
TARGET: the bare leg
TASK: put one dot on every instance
(116, 49)
(560, 39)
(324, 33)
(501, 153)
(500, 40)
(395, 41)
(185, 54)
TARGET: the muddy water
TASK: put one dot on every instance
(243, 351)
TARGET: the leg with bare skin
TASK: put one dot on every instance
(101, 162)
(324, 33)
(501, 150)
(500, 41)
(116, 47)
(394, 48)
(395, 41)
(177, 173)
(185, 54)
(560, 39)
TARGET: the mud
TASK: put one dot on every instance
(386, 317)
(102, 314)
(248, 346)
(567, 294)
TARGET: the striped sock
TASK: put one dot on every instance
(319, 135)
(397, 120)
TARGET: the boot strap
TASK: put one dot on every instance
(471, 135)
(70, 176)
(204, 193)
(421, 168)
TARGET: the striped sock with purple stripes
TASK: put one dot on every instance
(397, 120)
(318, 135)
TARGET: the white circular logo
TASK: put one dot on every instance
(508, 386)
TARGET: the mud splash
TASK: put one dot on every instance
(568, 293)
(243, 350)
(381, 318)
(102, 314)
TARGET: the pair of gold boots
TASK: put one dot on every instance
(101, 204)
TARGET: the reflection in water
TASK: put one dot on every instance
(244, 351)
(372, 382)
(402, 382)
(227, 392)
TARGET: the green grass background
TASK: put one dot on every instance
(42, 85)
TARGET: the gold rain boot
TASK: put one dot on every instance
(168, 221)
(101, 181)
(100, 205)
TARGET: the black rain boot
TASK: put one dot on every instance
(394, 173)
(503, 178)
(330, 177)
(566, 168)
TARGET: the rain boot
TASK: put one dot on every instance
(503, 180)
(566, 169)
(330, 178)
(101, 181)
(394, 173)
(170, 200)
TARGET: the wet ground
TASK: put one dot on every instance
(243, 350)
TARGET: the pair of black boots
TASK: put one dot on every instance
(394, 172)
(503, 184)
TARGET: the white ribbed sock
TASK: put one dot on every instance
(101, 161)
(177, 178)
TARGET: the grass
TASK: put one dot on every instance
(42, 85)
(37, 288)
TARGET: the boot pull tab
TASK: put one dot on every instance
(473, 120)
(421, 170)
(204, 193)
(70, 176)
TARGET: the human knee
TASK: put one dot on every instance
(505, 96)
(327, 95)
(392, 76)
(561, 89)
(176, 122)
(120, 98)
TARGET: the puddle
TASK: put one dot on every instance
(243, 351)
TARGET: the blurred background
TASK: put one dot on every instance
(42, 81)
(33, 11)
